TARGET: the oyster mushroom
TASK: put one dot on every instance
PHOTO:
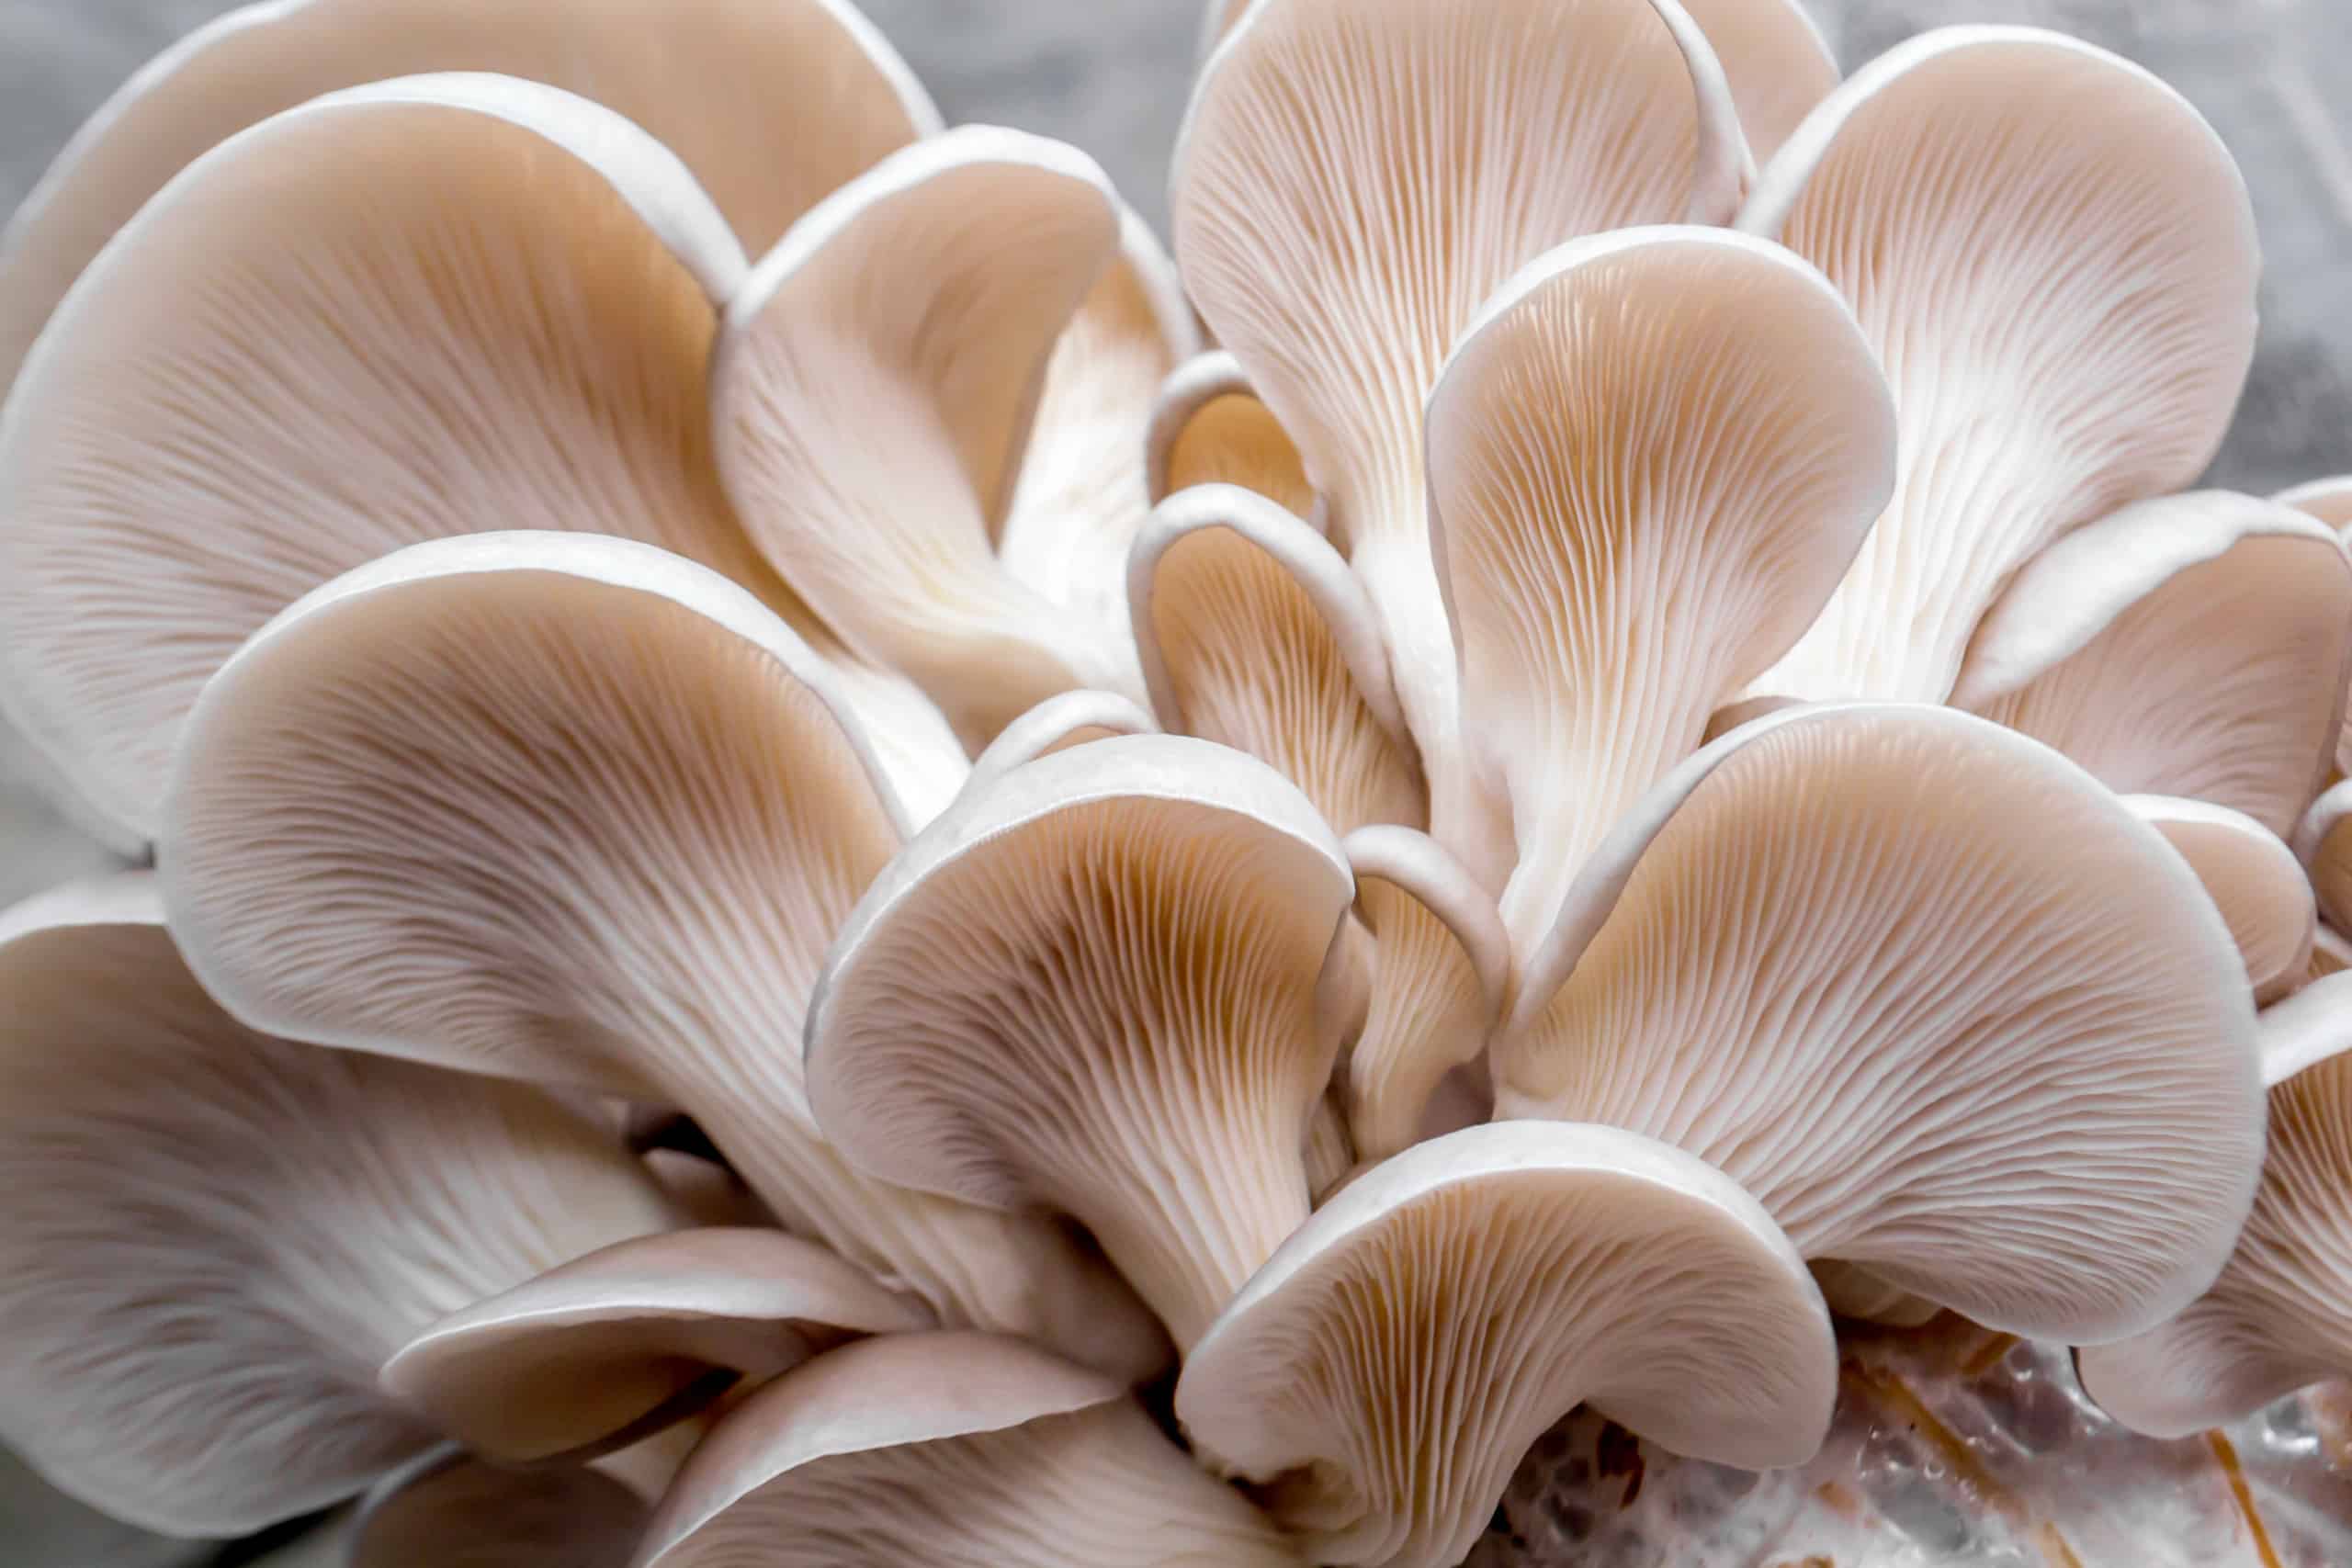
(1382, 1374)
(1948, 1010)
(2330, 501)
(234, 1231)
(1208, 427)
(2254, 880)
(611, 856)
(2194, 645)
(1650, 459)
(2054, 257)
(1072, 718)
(958, 1450)
(510, 329)
(1094, 989)
(2324, 848)
(448, 1508)
(1353, 179)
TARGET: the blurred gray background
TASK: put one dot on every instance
(2274, 75)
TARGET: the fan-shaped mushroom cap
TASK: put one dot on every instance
(725, 83)
(2194, 645)
(2324, 847)
(1388, 1369)
(2329, 500)
(1650, 460)
(663, 1324)
(1072, 718)
(1945, 1005)
(1440, 968)
(1253, 633)
(1208, 427)
(1852, 1291)
(959, 1450)
(2253, 878)
(873, 390)
(2280, 1315)
(218, 1236)
(612, 854)
(1353, 179)
(1094, 989)
(510, 330)
(2054, 257)
(453, 1511)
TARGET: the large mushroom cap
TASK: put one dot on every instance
(2055, 259)
(217, 1236)
(1388, 1368)
(1093, 988)
(959, 1450)
(1651, 459)
(1940, 1002)
(565, 807)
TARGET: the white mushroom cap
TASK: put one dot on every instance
(2253, 878)
(2324, 847)
(232, 1232)
(2280, 1315)
(2330, 501)
(724, 84)
(957, 1450)
(2193, 645)
(510, 330)
(1352, 179)
(1852, 1291)
(2331, 954)
(1386, 1371)
(642, 1331)
(1944, 1005)
(454, 1511)
(2055, 259)
(1071, 718)
(1253, 633)
(1093, 988)
(610, 853)
(1208, 427)
(1651, 459)
(873, 391)
(1775, 59)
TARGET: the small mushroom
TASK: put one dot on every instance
(563, 807)
(2253, 878)
(1208, 427)
(2054, 257)
(233, 1232)
(1094, 989)
(1650, 459)
(454, 1511)
(634, 1337)
(2195, 645)
(1942, 1003)
(1380, 1378)
(962, 1450)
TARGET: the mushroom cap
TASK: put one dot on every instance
(510, 330)
(2277, 1318)
(1386, 1370)
(2329, 500)
(2324, 848)
(2254, 880)
(710, 92)
(2193, 645)
(594, 1346)
(874, 388)
(1775, 60)
(234, 1231)
(1208, 427)
(2055, 259)
(454, 1511)
(612, 855)
(1940, 1002)
(961, 1449)
(1093, 988)
(1651, 457)
(1253, 633)
(1070, 719)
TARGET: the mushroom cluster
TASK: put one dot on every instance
(810, 889)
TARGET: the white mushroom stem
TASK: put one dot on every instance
(2308, 1027)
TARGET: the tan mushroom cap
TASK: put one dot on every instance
(611, 854)
(2253, 878)
(873, 390)
(1941, 1002)
(1208, 427)
(2194, 645)
(724, 84)
(1253, 633)
(1651, 459)
(1094, 989)
(957, 1449)
(2324, 847)
(593, 1347)
(452, 1511)
(1352, 179)
(2055, 259)
(1384, 1373)
(234, 1231)
(2280, 1315)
